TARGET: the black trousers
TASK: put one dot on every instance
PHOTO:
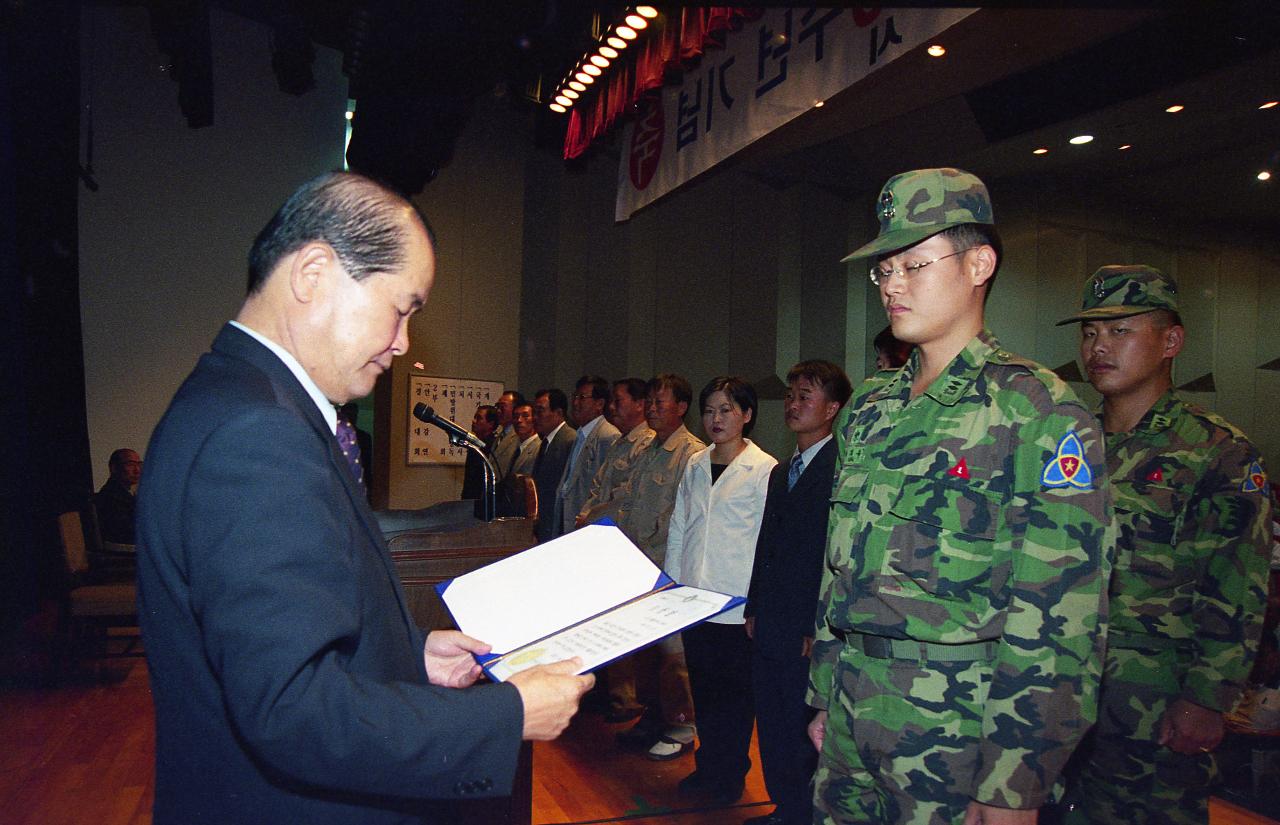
(787, 756)
(719, 660)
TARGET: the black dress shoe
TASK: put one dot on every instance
(616, 716)
(767, 819)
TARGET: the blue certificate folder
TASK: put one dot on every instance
(591, 594)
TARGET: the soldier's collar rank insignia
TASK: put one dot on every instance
(961, 470)
(1068, 468)
(1256, 480)
(886, 204)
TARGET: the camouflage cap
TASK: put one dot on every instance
(1122, 291)
(918, 204)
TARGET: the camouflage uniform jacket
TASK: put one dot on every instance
(977, 511)
(1194, 514)
(610, 485)
(646, 509)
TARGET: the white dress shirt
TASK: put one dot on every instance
(326, 406)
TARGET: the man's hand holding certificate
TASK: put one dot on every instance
(590, 595)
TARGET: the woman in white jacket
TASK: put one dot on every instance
(711, 544)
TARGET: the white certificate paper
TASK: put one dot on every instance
(617, 632)
(591, 594)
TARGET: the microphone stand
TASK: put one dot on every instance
(490, 496)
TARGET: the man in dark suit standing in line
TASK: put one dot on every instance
(783, 599)
(549, 410)
(290, 682)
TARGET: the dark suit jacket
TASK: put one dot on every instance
(287, 674)
(546, 477)
(115, 507)
(783, 596)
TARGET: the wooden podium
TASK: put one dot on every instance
(437, 544)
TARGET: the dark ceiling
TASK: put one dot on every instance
(1013, 77)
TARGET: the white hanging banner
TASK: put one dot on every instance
(769, 71)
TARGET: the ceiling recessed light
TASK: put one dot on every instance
(617, 42)
(1264, 175)
(1080, 140)
(1175, 108)
(1040, 151)
(626, 32)
(608, 52)
(646, 11)
(936, 50)
(564, 101)
(583, 77)
(1270, 104)
(592, 70)
(635, 21)
(350, 115)
(600, 60)
(556, 107)
(1124, 146)
(576, 86)
(570, 93)
(818, 104)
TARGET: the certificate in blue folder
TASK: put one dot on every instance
(591, 594)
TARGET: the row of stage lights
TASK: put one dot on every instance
(593, 65)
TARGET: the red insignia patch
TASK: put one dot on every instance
(1155, 475)
(961, 470)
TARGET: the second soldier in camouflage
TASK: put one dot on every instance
(1191, 564)
(962, 614)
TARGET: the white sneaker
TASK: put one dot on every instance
(674, 741)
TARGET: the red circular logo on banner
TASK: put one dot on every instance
(646, 141)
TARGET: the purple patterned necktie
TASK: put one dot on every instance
(350, 448)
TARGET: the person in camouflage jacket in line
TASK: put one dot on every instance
(1189, 587)
(963, 609)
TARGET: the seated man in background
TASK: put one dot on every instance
(115, 503)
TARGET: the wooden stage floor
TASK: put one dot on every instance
(82, 753)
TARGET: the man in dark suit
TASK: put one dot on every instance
(783, 599)
(290, 682)
(484, 425)
(115, 503)
(549, 410)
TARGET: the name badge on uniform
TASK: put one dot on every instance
(1068, 468)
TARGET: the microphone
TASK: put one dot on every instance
(428, 416)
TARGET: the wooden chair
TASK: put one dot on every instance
(88, 609)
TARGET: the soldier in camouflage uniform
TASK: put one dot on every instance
(960, 630)
(1191, 562)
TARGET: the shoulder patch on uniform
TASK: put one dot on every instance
(1068, 468)
(1256, 480)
